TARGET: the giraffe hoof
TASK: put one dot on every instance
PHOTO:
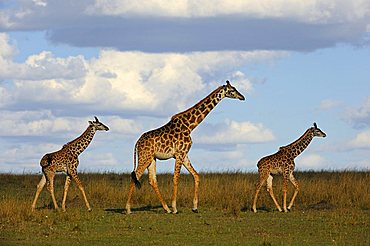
(288, 210)
(89, 210)
(175, 212)
(195, 210)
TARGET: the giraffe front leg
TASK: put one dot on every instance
(176, 177)
(285, 189)
(296, 187)
(80, 186)
(191, 169)
(66, 187)
(40, 186)
(269, 189)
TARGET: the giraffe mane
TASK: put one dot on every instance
(297, 140)
(199, 103)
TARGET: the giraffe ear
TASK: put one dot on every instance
(314, 124)
(90, 122)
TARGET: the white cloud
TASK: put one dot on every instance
(233, 132)
(38, 123)
(329, 104)
(190, 25)
(361, 141)
(123, 126)
(122, 81)
(306, 11)
(359, 117)
(312, 161)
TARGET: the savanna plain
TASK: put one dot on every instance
(332, 208)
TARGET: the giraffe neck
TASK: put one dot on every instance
(193, 116)
(298, 146)
(78, 145)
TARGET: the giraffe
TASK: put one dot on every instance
(66, 160)
(283, 162)
(173, 141)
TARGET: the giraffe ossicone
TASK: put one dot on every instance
(283, 162)
(66, 160)
(173, 141)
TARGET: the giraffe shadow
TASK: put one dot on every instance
(263, 208)
(148, 208)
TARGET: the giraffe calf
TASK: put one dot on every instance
(66, 160)
(283, 162)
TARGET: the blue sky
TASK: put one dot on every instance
(134, 66)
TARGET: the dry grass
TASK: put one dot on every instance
(229, 192)
(331, 208)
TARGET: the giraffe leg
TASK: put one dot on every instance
(262, 180)
(50, 187)
(154, 184)
(66, 186)
(80, 186)
(129, 196)
(296, 186)
(40, 186)
(269, 189)
(285, 189)
(176, 177)
(191, 170)
(139, 172)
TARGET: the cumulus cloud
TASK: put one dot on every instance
(306, 11)
(166, 26)
(134, 82)
(361, 141)
(38, 123)
(232, 132)
(329, 104)
(312, 161)
(359, 117)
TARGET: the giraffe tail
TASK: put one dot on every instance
(133, 174)
(136, 181)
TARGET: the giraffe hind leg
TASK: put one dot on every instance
(154, 184)
(40, 186)
(50, 187)
(138, 173)
(262, 179)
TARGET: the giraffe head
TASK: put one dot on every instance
(231, 92)
(98, 125)
(317, 132)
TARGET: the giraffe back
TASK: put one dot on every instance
(277, 162)
(59, 161)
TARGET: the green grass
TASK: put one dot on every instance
(333, 208)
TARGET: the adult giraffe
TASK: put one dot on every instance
(173, 141)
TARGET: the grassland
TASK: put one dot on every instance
(332, 208)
